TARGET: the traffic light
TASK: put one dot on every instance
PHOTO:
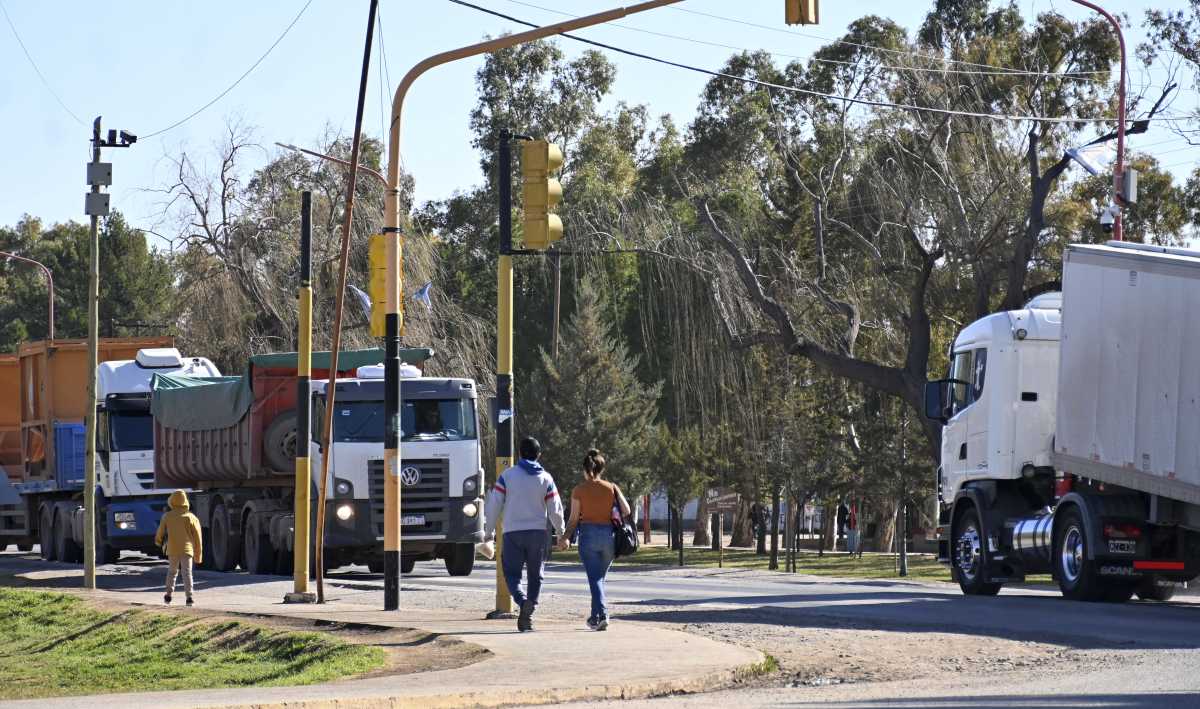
(540, 193)
(377, 286)
(800, 12)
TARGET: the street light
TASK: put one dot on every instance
(49, 285)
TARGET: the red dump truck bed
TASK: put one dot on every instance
(213, 432)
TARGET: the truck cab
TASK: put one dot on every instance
(998, 399)
(440, 471)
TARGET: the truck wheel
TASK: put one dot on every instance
(284, 562)
(375, 566)
(225, 547)
(258, 556)
(206, 542)
(461, 560)
(64, 540)
(1152, 588)
(1077, 577)
(25, 547)
(969, 556)
(46, 534)
(407, 564)
(280, 441)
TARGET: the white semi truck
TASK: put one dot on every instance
(1071, 439)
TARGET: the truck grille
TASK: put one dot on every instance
(428, 498)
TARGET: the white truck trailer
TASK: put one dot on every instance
(1071, 439)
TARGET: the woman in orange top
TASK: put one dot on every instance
(592, 503)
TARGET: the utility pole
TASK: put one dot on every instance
(95, 206)
(301, 536)
(395, 278)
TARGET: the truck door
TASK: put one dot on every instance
(977, 414)
(955, 461)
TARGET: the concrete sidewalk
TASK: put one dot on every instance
(560, 661)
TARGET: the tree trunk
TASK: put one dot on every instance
(743, 530)
(700, 538)
(828, 524)
(886, 527)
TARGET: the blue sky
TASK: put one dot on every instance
(143, 65)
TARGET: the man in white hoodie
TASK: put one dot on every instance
(524, 497)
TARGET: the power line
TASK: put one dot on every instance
(36, 70)
(798, 90)
(999, 71)
(232, 86)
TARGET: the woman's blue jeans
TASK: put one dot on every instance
(597, 547)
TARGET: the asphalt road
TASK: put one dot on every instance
(1162, 636)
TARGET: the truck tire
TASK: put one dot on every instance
(226, 548)
(407, 564)
(280, 441)
(461, 560)
(258, 556)
(1077, 576)
(285, 561)
(1152, 588)
(968, 554)
(206, 541)
(375, 566)
(25, 547)
(46, 534)
(64, 540)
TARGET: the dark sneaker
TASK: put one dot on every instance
(525, 619)
(592, 623)
(602, 624)
(190, 601)
(167, 599)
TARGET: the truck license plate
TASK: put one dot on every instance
(412, 521)
(1122, 546)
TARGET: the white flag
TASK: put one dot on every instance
(1094, 158)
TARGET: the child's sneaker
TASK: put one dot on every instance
(167, 599)
(189, 600)
(602, 624)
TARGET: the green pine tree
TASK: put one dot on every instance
(592, 398)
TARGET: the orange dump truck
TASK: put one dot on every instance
(43, 403)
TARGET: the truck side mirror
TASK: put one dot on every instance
(936, 400)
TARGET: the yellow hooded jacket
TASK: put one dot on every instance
(181, 529)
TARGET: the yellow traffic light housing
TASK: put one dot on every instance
(377, 285)
(800, 12)
(540, 192)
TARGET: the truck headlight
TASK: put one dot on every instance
(470, 509)
(471, 486)
(124, 520)
(345, 512)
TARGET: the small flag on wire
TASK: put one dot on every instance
(422, 295)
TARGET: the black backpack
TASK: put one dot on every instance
(625, 536)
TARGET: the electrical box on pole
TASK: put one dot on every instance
(800, 12)
(377, 286)
(540, 192)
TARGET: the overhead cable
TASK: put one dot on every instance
(999, 71)
(798, 90)
(36, 70)
(232, 86)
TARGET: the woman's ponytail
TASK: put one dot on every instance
(593, 464)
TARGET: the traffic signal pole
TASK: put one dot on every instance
(504, 331)
(302, 537)
(395, 246)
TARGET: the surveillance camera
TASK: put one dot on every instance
(127, 137)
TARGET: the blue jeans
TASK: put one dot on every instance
(597, 547)
(524, 549)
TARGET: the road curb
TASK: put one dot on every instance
(551, 695)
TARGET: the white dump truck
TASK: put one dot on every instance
(1071, 439)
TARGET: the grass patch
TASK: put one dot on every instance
(55, 644)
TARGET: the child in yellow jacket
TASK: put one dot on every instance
(180, 529)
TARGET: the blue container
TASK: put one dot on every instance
(69, 454)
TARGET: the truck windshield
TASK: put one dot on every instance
(131, 431)
(445, 419)
(420, 420)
